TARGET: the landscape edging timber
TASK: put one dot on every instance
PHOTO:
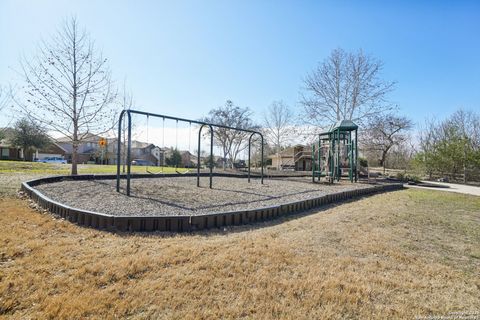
(184, 223)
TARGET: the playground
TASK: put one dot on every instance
(151, 202)
(180, 195)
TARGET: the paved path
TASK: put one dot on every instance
(450, 187)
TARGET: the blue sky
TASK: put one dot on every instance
(185, 57)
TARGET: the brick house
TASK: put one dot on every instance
(297, 158)
(10, 152)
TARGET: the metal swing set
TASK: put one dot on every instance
(128, 113)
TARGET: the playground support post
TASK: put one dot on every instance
(350, 156)
(129, 151)
(339, 166)
(249, 152)
(119, 146)
(210, 160)
(313, 162)
(319, 159)
(356, 156)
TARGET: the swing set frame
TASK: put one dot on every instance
(128, 113)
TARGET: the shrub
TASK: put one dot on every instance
(407, 177)
(363, 162)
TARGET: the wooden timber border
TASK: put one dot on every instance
(185, 223)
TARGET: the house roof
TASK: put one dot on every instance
(8, 132)
(87, 137)
(59, 146)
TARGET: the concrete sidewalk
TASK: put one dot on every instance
(450, 187)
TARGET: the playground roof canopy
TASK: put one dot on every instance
(344, 125)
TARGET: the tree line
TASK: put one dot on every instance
(68, 88)
(451, 148)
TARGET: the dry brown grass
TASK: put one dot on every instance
(393, 255)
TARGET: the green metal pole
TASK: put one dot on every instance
(338, 156)
(350, 156)
(313, 162)
(356, 156)
(332, 156)
(319, 158)
(335, 155)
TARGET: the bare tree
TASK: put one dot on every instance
(232, 142)
(345, 86)
(5, 95)
(4, 99)
(278, 125)
(385, 132)
(69, 88)
(467, 125)
(451, 147)
(127, 103)
(401, 155)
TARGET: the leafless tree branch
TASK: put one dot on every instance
(68, 87)
(345, 86)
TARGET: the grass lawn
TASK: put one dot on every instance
(12, 173)
(396, 255)
(58, 169)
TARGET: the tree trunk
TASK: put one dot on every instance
(75, 150)
(384, 157)
(74, 159)
(75, 116)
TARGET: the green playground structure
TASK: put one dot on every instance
(336, 153)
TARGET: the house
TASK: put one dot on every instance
(88, 149)
(51, 150)
(220, 162)
(297, 158)
(189, 160)
(147, 151)
(93, 149)
(10, 152)
(100, 150)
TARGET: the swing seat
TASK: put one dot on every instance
(160, 172)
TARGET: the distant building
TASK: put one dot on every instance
(189, 160)
(220, 162)
(88, 150)
(296, 158)
(147, 151)
(11, 152)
